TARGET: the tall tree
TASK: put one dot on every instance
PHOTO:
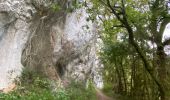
(143, 21)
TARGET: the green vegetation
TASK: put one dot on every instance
(34, 87)
(136, 66)
(69, 6)
(55, 7)
(135, 63)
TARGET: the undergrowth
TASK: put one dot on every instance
(34, 87)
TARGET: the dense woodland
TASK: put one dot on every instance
(133, 67)
(136, 66)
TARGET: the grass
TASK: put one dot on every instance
(33, 87)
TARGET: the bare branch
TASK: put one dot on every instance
(100, 18)
(123, 8)
(114, 11)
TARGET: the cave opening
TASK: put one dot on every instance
(61, 68)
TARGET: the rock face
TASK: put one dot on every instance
(57, 44)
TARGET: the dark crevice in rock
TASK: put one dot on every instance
(61, 69)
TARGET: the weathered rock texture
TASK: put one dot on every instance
(57, 44)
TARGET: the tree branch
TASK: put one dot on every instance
(129, 29)
(114, 12)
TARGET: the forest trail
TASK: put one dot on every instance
(101, 96)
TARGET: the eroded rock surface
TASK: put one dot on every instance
(57, 44)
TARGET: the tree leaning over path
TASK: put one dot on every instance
(142, 21)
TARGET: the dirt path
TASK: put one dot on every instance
(101, 96)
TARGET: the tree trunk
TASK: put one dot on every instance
(161, 64)
(124, 76)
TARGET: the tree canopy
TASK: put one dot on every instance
(133, 53)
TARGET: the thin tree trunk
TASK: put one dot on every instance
(124, 76)
(162, 71)
(120, 85)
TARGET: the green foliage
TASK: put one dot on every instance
(75, 4)
(35, 87)
(62, 94)
(55, 7)
(29, 78)
(108, 89)
(126, 28)
(30, 87)
(77, 91)
(69, 6)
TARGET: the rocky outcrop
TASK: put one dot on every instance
(55, 43)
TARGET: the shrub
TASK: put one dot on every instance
(77, 91)
(35, 87)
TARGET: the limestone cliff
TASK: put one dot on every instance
(56, 43)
